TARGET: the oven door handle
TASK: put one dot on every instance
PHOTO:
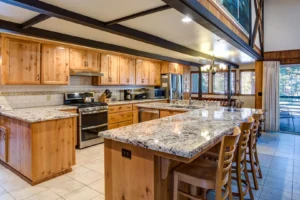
(91, 127)
(94, 112)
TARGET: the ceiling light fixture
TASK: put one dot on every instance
(186, 19)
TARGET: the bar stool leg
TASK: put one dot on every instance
(257, 162)
(175, 188)
(239, 181)
(229, 186)
(253, 171)
(248, 179)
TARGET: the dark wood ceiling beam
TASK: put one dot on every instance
(37, 19)
(140, 14)
(205, 18)
(54, 11)
(50, 35)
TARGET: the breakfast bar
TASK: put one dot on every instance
(139, 159)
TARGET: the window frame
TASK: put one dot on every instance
(240, 82)
(233, 94)
(194, 72)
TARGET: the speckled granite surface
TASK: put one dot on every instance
(113, 103)
(184, 134)
(168, 106)
(38, 114)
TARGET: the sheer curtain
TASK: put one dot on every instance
(270, 100)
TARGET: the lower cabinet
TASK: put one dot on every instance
(167, 113)
(3, 144)
(40, 150)
(120, 115)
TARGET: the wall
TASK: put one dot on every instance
(282, 25)
(249, 101)
(22, 96)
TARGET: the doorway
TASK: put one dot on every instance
(289, 91)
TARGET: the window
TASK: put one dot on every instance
(247, 82)
(220, 82)
(240, 10)
(289, 81)
(195, 82)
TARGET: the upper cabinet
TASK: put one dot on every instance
(110, 65)
(20, 62)
(142, 75)
(55, 65)
(171, 68)
(154, 68)
(127, 71)
(81, 59)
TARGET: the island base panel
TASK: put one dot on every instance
(144, 176)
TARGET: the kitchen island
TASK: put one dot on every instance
(139, 159)
(38, 143)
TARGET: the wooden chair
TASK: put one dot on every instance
(207, 174)
(252, 151)
(240, 161)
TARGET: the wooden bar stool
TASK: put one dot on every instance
(207, 174)
(252, 152)
(240, 162)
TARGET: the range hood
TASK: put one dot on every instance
(75, 72)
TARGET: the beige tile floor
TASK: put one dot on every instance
(279, 156)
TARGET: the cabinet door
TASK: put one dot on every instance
(3, 144)
(105, 62)
(77, 59)
(92, 60)
(21, 62)
(154, 68)
(138, 72)
(114, 70)
(55, 65)
(127, 71)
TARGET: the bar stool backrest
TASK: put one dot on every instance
(226, 155)
(246, 128)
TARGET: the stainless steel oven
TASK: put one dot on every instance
(90, 124)
(92, 118)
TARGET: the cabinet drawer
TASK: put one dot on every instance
(118, 125)
(119, 117)
(70, 110)
(119, 108)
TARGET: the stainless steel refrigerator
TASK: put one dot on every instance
(172, 83)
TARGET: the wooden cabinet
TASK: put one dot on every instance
(142, 75)
(171, 68)
(118, 125)
(119, 108)
(3, 144)
(127, 71)
(110, 68)
(20, 62)
(135, 116)
(119, 115)
(167, 113)
(81, 59)
(154, 68)
(55, 65)
(186, 82)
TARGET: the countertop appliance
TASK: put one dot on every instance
(91, 120)
(127, 94)
(172, 83)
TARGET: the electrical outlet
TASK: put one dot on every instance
(126, 153)
(48, 97)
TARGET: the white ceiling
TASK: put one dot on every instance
(106, 10)
(15, 14)
(165, 24)
(62, 26)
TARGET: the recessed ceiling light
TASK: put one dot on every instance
(186, 19)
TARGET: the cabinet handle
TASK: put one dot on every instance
(67, 78)
(38, 77)
(4, 136)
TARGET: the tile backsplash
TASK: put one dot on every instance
(22, 96)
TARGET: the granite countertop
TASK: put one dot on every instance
(113, 103)
(184, 135)
(169, 106)
(38, 114)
